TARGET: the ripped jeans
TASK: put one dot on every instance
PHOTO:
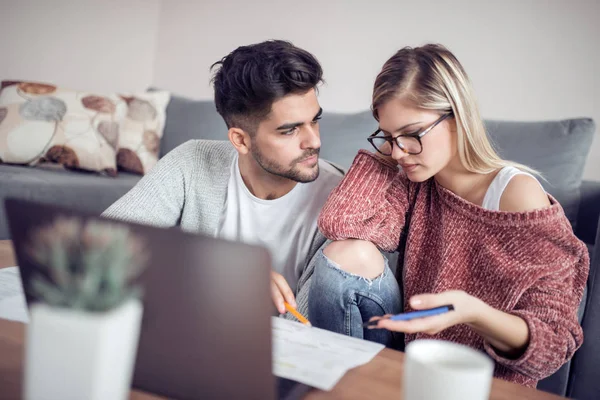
(340, 301)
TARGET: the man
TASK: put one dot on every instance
(266, 185)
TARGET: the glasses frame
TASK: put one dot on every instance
(394, 139)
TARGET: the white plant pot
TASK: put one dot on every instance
(81, 355)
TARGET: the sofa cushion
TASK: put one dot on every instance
(342, 135)
(191, 119)
(558, 149)
(45, 123)
(141, 130)
(83, 191)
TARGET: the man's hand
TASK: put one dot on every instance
(280, 292)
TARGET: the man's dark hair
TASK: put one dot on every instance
(251, 78)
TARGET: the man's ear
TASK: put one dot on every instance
(240, 140)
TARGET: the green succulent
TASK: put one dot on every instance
(86, 266)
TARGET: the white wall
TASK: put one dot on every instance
(528, 59)
(86, 44)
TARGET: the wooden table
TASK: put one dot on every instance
(379, 379)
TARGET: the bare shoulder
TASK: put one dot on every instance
(523, 193)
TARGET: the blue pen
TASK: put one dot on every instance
(415, 314)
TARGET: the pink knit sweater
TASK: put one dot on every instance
(528, 264)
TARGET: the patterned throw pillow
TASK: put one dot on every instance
(141, 130)
(43, 123)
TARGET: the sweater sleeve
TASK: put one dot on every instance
(369, 204)
(158, 198)
(549, 307)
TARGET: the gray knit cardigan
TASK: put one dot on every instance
(187, 188)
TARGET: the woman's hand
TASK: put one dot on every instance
(466, 311)
(507, 333)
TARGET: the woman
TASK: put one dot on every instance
(473, 230)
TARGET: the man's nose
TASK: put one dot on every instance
(312, 138)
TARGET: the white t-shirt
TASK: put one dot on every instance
(285, 226)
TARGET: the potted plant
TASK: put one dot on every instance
(83, 331)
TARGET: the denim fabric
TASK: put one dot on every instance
(340, 301)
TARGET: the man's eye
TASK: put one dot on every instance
(316, 120)
(290, 132)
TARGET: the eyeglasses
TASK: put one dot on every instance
(410, 143)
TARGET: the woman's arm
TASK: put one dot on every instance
(369, 203)
(507, 333)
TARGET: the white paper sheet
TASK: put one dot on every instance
(314, 356)
(12, 297)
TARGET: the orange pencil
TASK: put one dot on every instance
(296, 314)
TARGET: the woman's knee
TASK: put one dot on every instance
(357, 257)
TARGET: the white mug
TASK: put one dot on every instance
(436, 370)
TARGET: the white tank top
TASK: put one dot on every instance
(491, 201)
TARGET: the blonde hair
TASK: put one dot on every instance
(433, 79)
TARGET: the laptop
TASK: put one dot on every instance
(206, 326)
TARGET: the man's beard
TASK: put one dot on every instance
(292, 172)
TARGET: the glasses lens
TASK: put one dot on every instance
(382, 145)
(410, 144)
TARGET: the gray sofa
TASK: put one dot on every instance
(558, 149)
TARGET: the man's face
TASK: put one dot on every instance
(287, 142)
